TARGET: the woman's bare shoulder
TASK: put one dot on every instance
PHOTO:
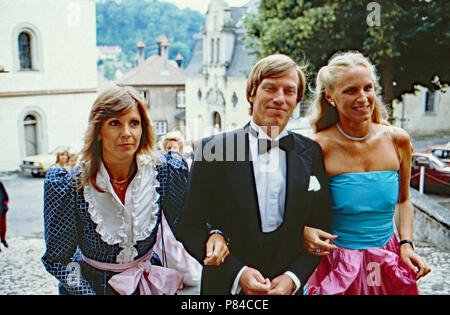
(401, 138)
(324, 137)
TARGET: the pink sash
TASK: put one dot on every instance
(152, 280)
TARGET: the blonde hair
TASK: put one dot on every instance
(274, 66)
(62, 153)
(173, 139)
(325, 115)
(112, 102)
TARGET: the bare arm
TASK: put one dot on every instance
(406, 210)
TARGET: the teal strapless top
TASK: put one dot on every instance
(363, 208)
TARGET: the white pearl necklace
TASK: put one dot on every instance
(354, 138)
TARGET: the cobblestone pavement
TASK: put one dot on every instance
(22, 273)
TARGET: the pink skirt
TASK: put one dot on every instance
(373, 271)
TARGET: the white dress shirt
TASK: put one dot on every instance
(270, 181)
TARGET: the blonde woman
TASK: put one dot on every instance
(369, 166)
(111, 205)
(62, 159)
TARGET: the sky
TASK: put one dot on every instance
(202, 5)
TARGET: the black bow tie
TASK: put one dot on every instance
(286, 143)
(265, 145)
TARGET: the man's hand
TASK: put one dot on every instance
(216, 250)
(253, 283)
(282, 285)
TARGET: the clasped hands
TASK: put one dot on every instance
(252, 282)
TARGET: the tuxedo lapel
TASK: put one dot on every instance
(242, 178)
(297, 178)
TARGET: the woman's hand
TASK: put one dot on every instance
(318, 242)
(417, 263)
(216, 250)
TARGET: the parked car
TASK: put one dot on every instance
(38, 165)
(442, 152)
(437, 173)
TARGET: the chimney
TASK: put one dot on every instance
(163, 47)
(140, 53)
(179, 59)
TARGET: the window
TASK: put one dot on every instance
(25, 51)
(234, 99)
(217, 123)
(161, 127)
(31, 139)
(27, 48)
(145, 94)
(218, 51)
(181, 99)
(211, 61)
(442, 154)
(431, 101)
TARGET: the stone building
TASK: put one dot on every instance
(424, 113)
(49, 81)
(217, 74)
(161, 83)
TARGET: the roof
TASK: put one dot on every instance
(241, 62)
(156, 70)
(195, 64)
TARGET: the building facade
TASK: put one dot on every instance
(49, 80)
(425, 113)
(161, 83)
(216, 75)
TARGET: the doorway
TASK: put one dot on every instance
(31, 135)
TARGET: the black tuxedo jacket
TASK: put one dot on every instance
(222, 194)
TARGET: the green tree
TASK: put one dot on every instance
(124, 23)
(408, 40)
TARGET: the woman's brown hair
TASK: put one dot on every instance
(112, 102)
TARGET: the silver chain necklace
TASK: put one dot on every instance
(354, 138)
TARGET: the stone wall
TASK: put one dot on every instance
(431, 221)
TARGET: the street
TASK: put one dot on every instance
(25, 217)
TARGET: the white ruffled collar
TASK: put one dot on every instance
(125, 225)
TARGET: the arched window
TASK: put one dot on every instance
(27, 48)
(31, 135)
(25, 51)
(217, 123)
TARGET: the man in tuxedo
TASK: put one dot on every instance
(258, 186)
